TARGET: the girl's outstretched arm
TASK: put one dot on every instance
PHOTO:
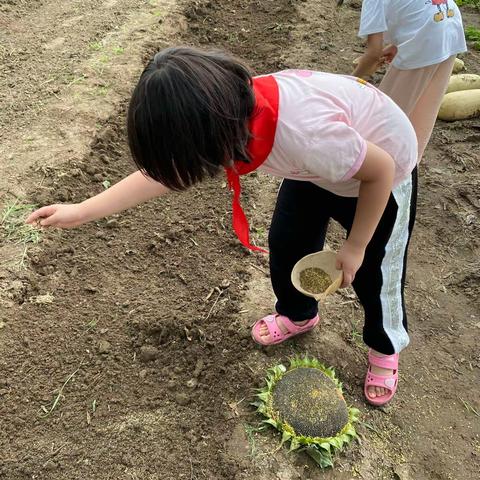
(129, 192)
(376, 176)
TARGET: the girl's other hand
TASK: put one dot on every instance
(389, 53)
(60, 216)
(367, 65)
(349, 259)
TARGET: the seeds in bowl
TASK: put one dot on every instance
(314, 280)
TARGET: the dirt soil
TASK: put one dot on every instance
(125, 349)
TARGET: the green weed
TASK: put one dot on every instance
(468, 406)
(250, 431)
(46, 411)
(473, 3)
(472, 34)
(13, 228)
(96, 46)
(356, 336)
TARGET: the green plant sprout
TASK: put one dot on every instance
(47, 411)
(96, 46)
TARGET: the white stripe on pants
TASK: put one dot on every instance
(392, 269)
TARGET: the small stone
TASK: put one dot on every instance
(182, 399)
(200, 366)
(385, 408)
(148, 353)
(104, 347)
(127, 460)
(192, 383)
(225, 283)
(143, 373)
(136, 424)
(2, 324)
(172, 385)
(91, 170)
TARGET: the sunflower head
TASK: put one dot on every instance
(305, 403)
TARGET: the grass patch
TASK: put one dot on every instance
(473, 3)
(14, 229)
(96, 46)
(102, 90)
(104, 58)
(472, 34)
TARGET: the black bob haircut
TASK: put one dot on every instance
(188, 115)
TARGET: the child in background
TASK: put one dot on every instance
(425, 37)
(344, 149)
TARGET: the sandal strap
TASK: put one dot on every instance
(384, 381)
(389, 362)
(276, 334)
(294, 328)
(273, 328)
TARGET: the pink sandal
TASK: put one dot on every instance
(276, 334)
(389, 382)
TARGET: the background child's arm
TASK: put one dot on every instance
(376, 176)
(373, 56)
(131, 191)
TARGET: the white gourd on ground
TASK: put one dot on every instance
(460, 105)
(464, 81)
(458, 66)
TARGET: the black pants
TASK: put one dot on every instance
(299, 226)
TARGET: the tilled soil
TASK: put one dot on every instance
(125, 344)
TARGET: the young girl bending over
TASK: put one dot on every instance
(425, 36)
(343, 148)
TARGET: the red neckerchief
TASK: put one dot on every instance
(262, 126)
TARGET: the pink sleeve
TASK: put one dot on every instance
(336, 153)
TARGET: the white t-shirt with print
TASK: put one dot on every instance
(425, 32)
(324, 122)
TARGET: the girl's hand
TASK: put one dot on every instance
(349, 259)
(60, 216)
(367, 65)
(389, 53)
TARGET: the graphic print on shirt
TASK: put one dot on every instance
(439, 16)
(362, 83)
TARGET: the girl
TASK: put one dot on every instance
(426, 35)
(345, 150)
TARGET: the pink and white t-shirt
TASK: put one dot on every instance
(324, 122)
